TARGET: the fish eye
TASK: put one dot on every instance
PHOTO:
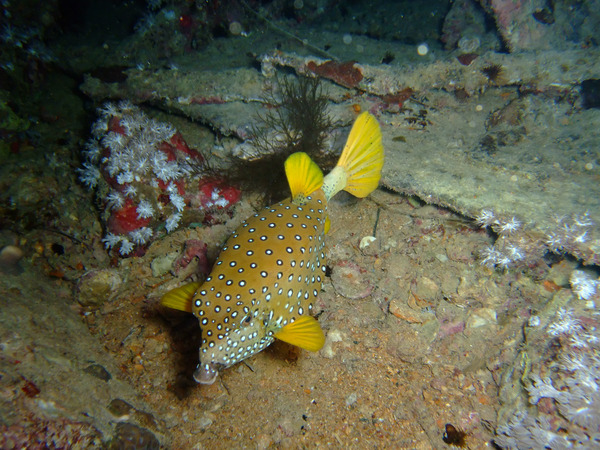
(246, 320)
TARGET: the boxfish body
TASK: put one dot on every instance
(271, 269)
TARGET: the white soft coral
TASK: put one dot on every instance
(566, 323)
(542, 388)
(110, 240)
(89, 175)
(173, 222)
(145, 210)
(486, 218)
(583, 284)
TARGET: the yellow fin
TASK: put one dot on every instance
(180, 298)
(327, 225)
(303, 175)
(362, 159)
(305, 332)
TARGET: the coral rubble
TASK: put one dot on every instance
(562, 389)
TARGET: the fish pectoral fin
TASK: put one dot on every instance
(305, 332)
(304, 176)
(180, 298)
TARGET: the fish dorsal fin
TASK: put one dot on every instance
(180, 298)
(303, 175)
(305, 332)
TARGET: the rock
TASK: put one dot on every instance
(427, 288)
(98, 371)
(97, 286)
(120, 408)
(402, 311)
(153, 348)
(482, 317)
(441, 257)
(339, 252)
(161, 265)
(450, 283)
(406, 343)
(466, 285)
(129, 436)
(560, 272)
(10, 256)
(349, 281)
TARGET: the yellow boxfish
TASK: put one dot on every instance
(271, 268)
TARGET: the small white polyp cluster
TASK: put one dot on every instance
(500, 225)
(585, 286)
(571, 231)
(504, 255)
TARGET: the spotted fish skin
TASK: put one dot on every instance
(268, 274)
(271, 269)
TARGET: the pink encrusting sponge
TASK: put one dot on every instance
(149, 180)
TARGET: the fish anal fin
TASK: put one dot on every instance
(180, 298)
(305, 332)
(304, 176)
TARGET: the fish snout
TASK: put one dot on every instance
(207, 373)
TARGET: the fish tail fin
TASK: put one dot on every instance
(180, 298)
(304, 176)
(359, 169)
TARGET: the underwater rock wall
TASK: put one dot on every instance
(511, 157)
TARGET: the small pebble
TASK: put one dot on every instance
(351, 400)
(131, 436)
(97, 286)
(9, 259)
(441, 257)
(204, 422)
(332, 337)
(366, 241)
(98, 371)
(120, 408)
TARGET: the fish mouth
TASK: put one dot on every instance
(206, 373)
